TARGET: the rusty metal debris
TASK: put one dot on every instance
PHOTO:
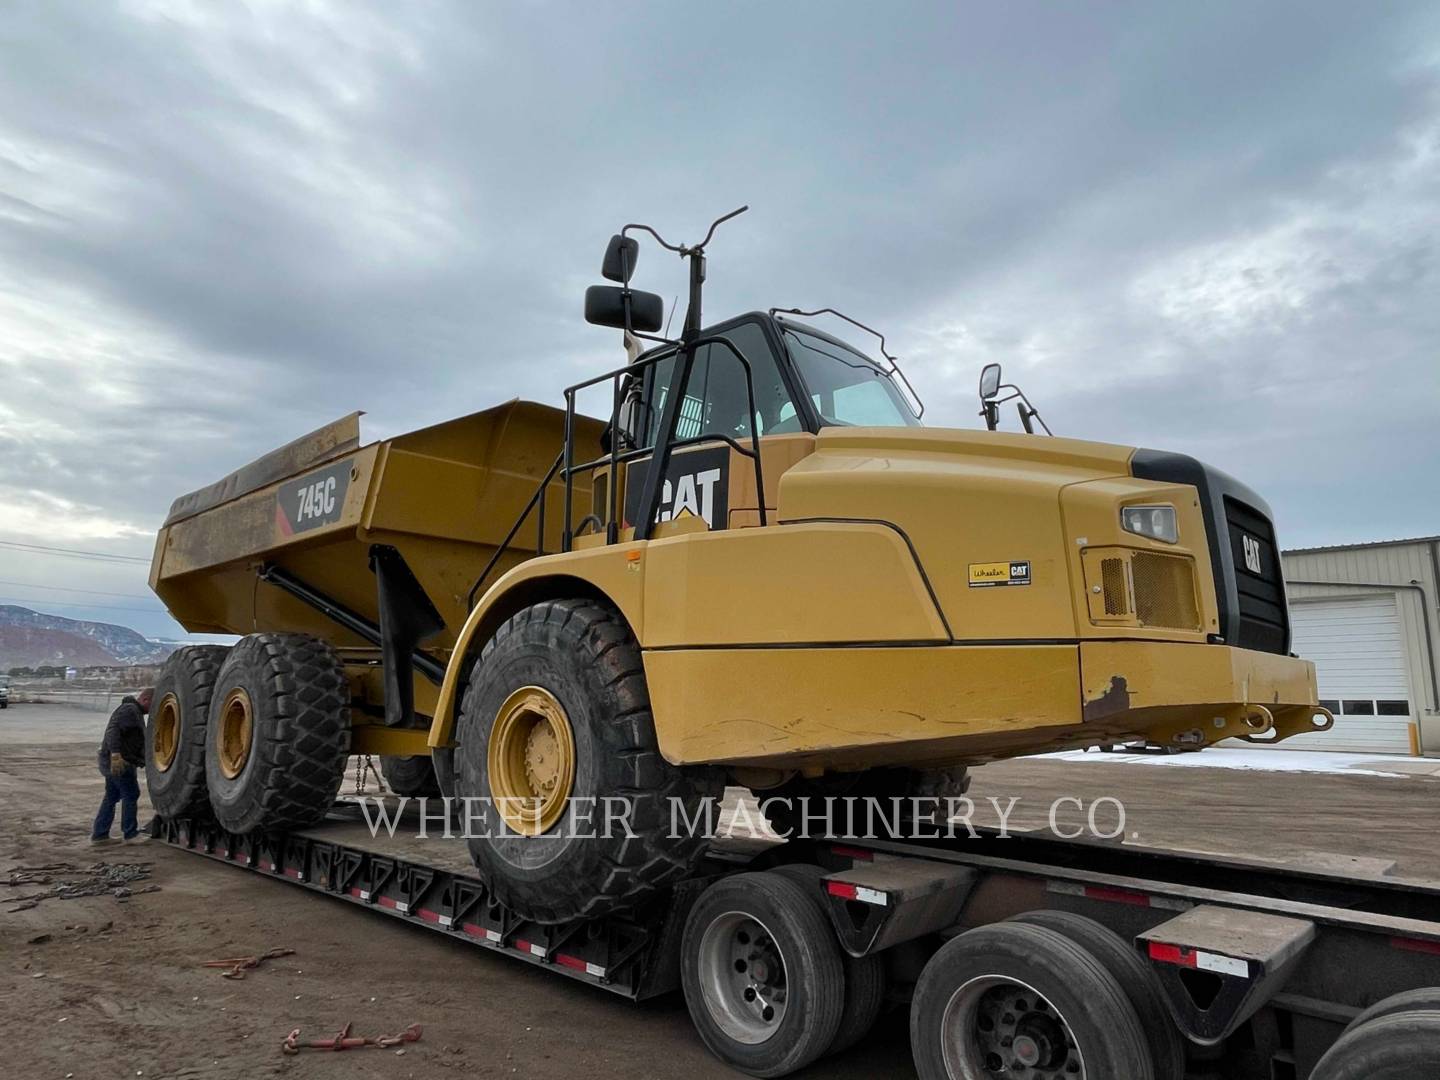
(67, 881)
(238, 965)
(345, 1040)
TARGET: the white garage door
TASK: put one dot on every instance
(1359, 653)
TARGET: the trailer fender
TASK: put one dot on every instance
(614, 574)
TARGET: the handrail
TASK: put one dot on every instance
(564, 464)
(540, 543)
(615, 458)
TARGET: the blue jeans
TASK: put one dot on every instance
(125, 790)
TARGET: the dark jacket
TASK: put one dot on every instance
(124, 735)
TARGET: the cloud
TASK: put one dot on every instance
(1204, 227)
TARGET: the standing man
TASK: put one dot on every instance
(122, 751)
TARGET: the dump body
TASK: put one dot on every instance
(444, 497)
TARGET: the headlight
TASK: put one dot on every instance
(1154, 522)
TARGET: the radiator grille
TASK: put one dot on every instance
(1164, 591)
(1112, 580)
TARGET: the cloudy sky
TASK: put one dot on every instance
(1204, 227)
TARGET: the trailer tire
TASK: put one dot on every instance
(1002, 969)
(1167, 1045)
(279, 733)
(741, 934)
(1397, 1046)
(568, 672)
(865, 980)
(1426, 999)
(413, 775)
(175, 731)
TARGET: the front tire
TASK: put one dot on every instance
(278, 735)
(556, 733)
(175, 730)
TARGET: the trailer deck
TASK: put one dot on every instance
(1262, 964)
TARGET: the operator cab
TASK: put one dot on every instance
(804, 379)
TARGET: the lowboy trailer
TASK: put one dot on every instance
(1009, 950)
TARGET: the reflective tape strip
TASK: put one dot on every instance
(1117, 896)
(1200, 961)
(847, 891)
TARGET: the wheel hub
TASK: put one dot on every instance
(743, 977)
(165, 733)
(531, 760)
(237, 727)
(995, 1027)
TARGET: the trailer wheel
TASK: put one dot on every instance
(865, 981)
(1398, 1046)
(1011, 999)
(762, 974)
(279, 733)
(1426, 999)
(1167, 1045)
(412, 775)
(175, 730)
(557, 744)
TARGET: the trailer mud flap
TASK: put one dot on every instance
(879, 904)
(1218, 965)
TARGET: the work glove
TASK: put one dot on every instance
(117, 765)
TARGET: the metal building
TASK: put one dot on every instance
(1369, 616)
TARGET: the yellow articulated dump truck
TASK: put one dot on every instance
(760, 568)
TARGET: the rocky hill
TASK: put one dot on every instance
(31, 638)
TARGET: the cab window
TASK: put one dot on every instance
(846, 387)
(715, 401)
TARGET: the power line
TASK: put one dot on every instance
(101, 556)
(63, 588)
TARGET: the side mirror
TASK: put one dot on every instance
(605, 306)
(620, 258)
(989, 381)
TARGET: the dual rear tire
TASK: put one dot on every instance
(256, 735)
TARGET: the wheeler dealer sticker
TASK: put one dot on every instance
(985, 574)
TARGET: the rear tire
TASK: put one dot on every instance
(1167, 1045)
(762, 974)
(413, 775)
(569, 673)
(996, 997)
(279, 733)
(1397, 1046)
(865, 981)
(175, 731)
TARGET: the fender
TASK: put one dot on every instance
(615, 574)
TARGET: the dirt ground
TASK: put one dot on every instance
(98, 987)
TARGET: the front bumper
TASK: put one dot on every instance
(1193, 694)
(855, 708)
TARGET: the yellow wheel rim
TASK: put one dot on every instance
(165, 733)
(531, 759)
(237, 727)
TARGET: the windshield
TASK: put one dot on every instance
(847, 387)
